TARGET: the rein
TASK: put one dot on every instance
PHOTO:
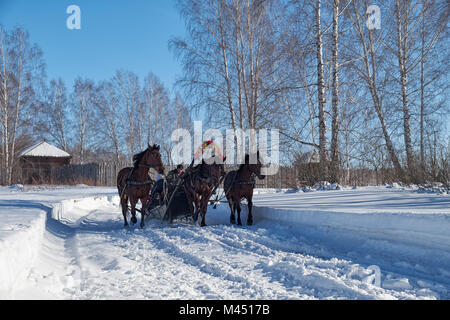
(152, 165)
(142, 183)
(211, 181)
(233, 182)
(246, 182)
(138, 183)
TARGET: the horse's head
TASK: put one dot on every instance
(222, 167)
(152, 158)
(215, 170)
(255, 167)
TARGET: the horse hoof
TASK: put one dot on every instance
(134, 220)
(239, 223)
(250, 222)
(233, 221)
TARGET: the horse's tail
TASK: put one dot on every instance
(121, 186)
(229, 181)
(122, 193)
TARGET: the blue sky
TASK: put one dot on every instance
(119, 34)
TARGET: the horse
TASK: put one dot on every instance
(239, 184)
(199, 185)
(134, 184)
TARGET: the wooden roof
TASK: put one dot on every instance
(44, 149)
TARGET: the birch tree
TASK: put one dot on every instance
(127, 86)
(321, 95)
(108, 115)
(21, 68)
(367, 66)
(56, 122)
(82, 108)
(334, 170)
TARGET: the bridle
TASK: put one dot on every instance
(147, 182)
(153, 164)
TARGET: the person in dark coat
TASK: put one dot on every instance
(170, 177)
(175, 173)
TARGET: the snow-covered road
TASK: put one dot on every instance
(87, 254)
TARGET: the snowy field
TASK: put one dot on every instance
(368, 243)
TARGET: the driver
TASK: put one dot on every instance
(158, 187)
(175, 173)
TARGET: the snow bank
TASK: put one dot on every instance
(381, 213)
(64, 210)
(23, 224)
(425, 230)
(21, 234)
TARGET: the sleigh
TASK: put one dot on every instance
(173, 205)
(176, 200)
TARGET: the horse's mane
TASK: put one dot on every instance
(242, 165)
(137, 158)
(247, 160)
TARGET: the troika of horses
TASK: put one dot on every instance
(185, 193)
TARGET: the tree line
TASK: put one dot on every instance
(357, 96)
(107, 120)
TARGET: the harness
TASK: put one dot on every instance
(139, 183)
(136, 183)
(253, 181)
(196, 174)
(233, 182)
(210, 180)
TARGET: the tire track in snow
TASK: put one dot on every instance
(296, 272)
(152, 274)
(222, 267)
(216, 262)
(315, 272)
(311, 277)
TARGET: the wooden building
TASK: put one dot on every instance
(38, 160)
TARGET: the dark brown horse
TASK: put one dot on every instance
(199, 185)
(134, 183)
(239, 184)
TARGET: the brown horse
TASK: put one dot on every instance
(239, 184)
(134, 183)
(199, 185)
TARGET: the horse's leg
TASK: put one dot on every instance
(250, 207)
(197, 206)
(204, 208)
(237, 204)
(190, 201)
(143, 210)
(133, 210)
(232, 209)
(124, 205)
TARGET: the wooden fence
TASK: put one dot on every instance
(105, 174)
(93, 174)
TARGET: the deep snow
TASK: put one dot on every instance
(312, 245)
